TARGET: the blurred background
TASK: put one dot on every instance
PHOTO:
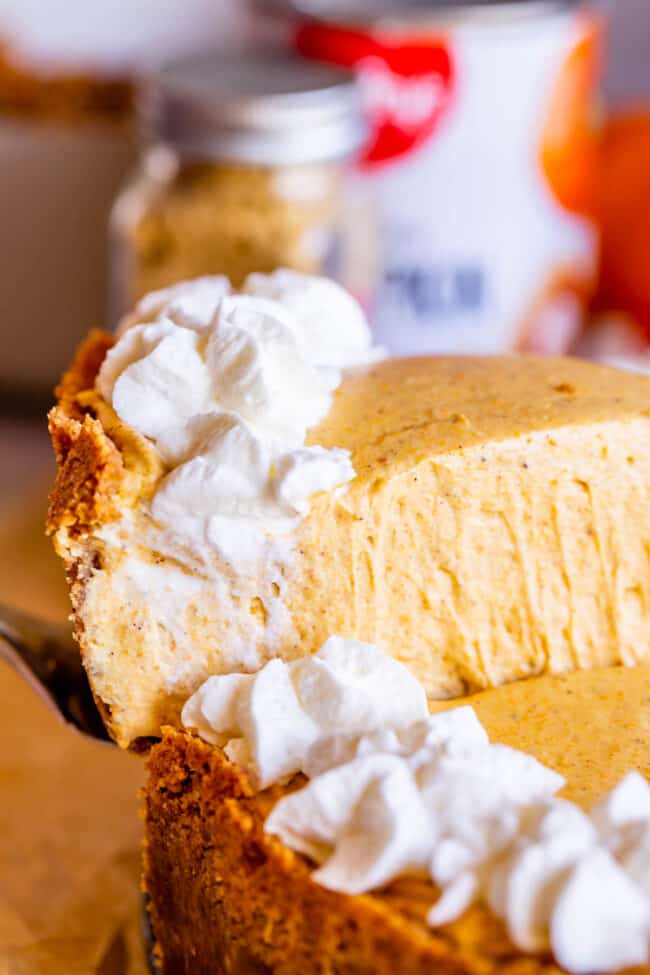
(477, 174)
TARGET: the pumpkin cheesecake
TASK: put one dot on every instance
(389, 623)
(241, 476)
(227, 895)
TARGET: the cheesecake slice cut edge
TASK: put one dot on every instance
(498, 527)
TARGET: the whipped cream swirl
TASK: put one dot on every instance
(393, 790)
(226, 386)
(270, 720)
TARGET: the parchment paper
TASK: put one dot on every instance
(69, 824)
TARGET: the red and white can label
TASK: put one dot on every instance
(479, 162)
(406, 86)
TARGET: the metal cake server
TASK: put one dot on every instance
(45, 655)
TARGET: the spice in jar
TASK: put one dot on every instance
(242, 172)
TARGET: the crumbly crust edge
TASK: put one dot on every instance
(103, 469)
(187, 777)
(103, 466)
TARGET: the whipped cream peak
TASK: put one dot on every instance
(364, 823)
(257, 368)
(157, 382)
(275, 716)
(226, 475)
(600, 921)
(226, 386)
(301, 473)
(627, 804)
(333, 327)
(237, 488)
(456, 729)
(188, 304)
(140, 340)
(395, 790)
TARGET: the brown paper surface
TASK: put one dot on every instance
(69, 825)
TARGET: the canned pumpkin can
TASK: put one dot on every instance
(481, 161)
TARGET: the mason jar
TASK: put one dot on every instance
(241, 170)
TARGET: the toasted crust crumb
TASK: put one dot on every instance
(89, 476)
(102, 465)
(103, 469)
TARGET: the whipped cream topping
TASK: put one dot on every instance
(275, 722)
(315, 302)
(393, 790)
(226, 386)
(188, 303)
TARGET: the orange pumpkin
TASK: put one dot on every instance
(624, 215)
(571, 133)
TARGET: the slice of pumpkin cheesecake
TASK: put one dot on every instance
(438, 847)
(239, 476)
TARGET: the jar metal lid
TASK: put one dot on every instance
(254, 107)
(420, 11)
